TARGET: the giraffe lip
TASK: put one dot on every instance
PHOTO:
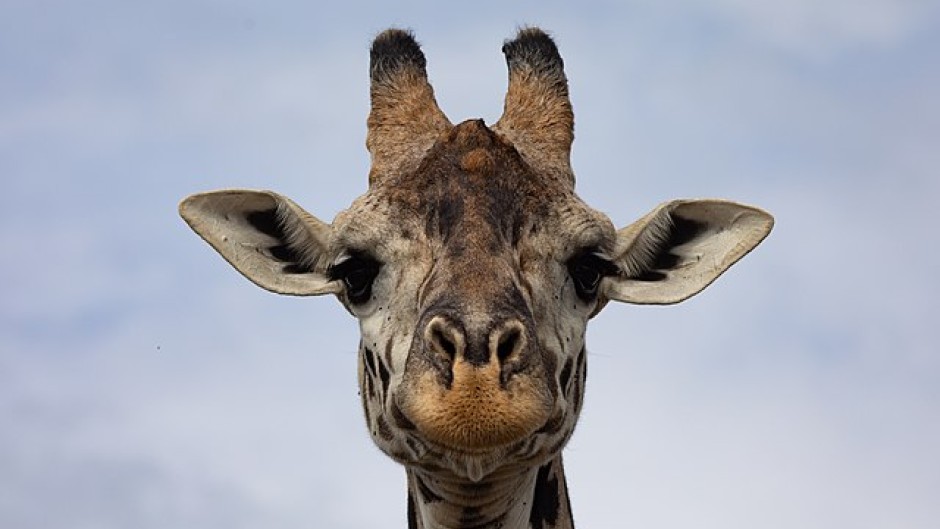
(467, 451)
(551, 425)
(402, 420)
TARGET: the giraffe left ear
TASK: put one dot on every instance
(267, 237)
(680, 247)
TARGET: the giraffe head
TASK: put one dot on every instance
(471, 264)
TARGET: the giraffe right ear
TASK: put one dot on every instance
(268, 238)
(680, 247)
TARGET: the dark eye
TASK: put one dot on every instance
(586, 270)
(357, 274)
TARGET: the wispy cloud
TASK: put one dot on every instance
(820, 31)
(145, 384)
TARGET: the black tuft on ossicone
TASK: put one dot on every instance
(394, 49)
(533, 48)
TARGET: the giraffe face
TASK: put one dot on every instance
(471, 264)
(473, 278)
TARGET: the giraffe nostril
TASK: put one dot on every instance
(443, 338)
(507, 344)
(509, 341)
(444, 344)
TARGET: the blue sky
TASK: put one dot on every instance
(145, 384)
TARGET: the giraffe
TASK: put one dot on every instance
(473, 268)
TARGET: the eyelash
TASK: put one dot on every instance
(586, 269)
(358, 273)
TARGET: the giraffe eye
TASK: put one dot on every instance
(586, 270)
(357, 273)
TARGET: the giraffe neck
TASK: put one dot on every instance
(536, 498)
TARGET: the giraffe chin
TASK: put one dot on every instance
(477, 414)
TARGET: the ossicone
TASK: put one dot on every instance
(404, 119)
(537, 116)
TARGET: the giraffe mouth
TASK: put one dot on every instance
(477, 414)
(475, 464)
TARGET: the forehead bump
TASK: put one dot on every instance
(537, 116)
(478, 161)
(404, 119)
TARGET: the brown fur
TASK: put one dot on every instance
(405, 119)
(478, 161)
(537, 117)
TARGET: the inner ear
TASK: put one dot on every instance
(265, 236)
(682, 246)
(658, 252)
(289, 250)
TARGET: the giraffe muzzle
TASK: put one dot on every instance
(476, 392)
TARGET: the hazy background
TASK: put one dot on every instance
(145, 384)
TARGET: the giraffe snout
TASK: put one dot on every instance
(476, 390)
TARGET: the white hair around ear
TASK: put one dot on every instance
(681, 247)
